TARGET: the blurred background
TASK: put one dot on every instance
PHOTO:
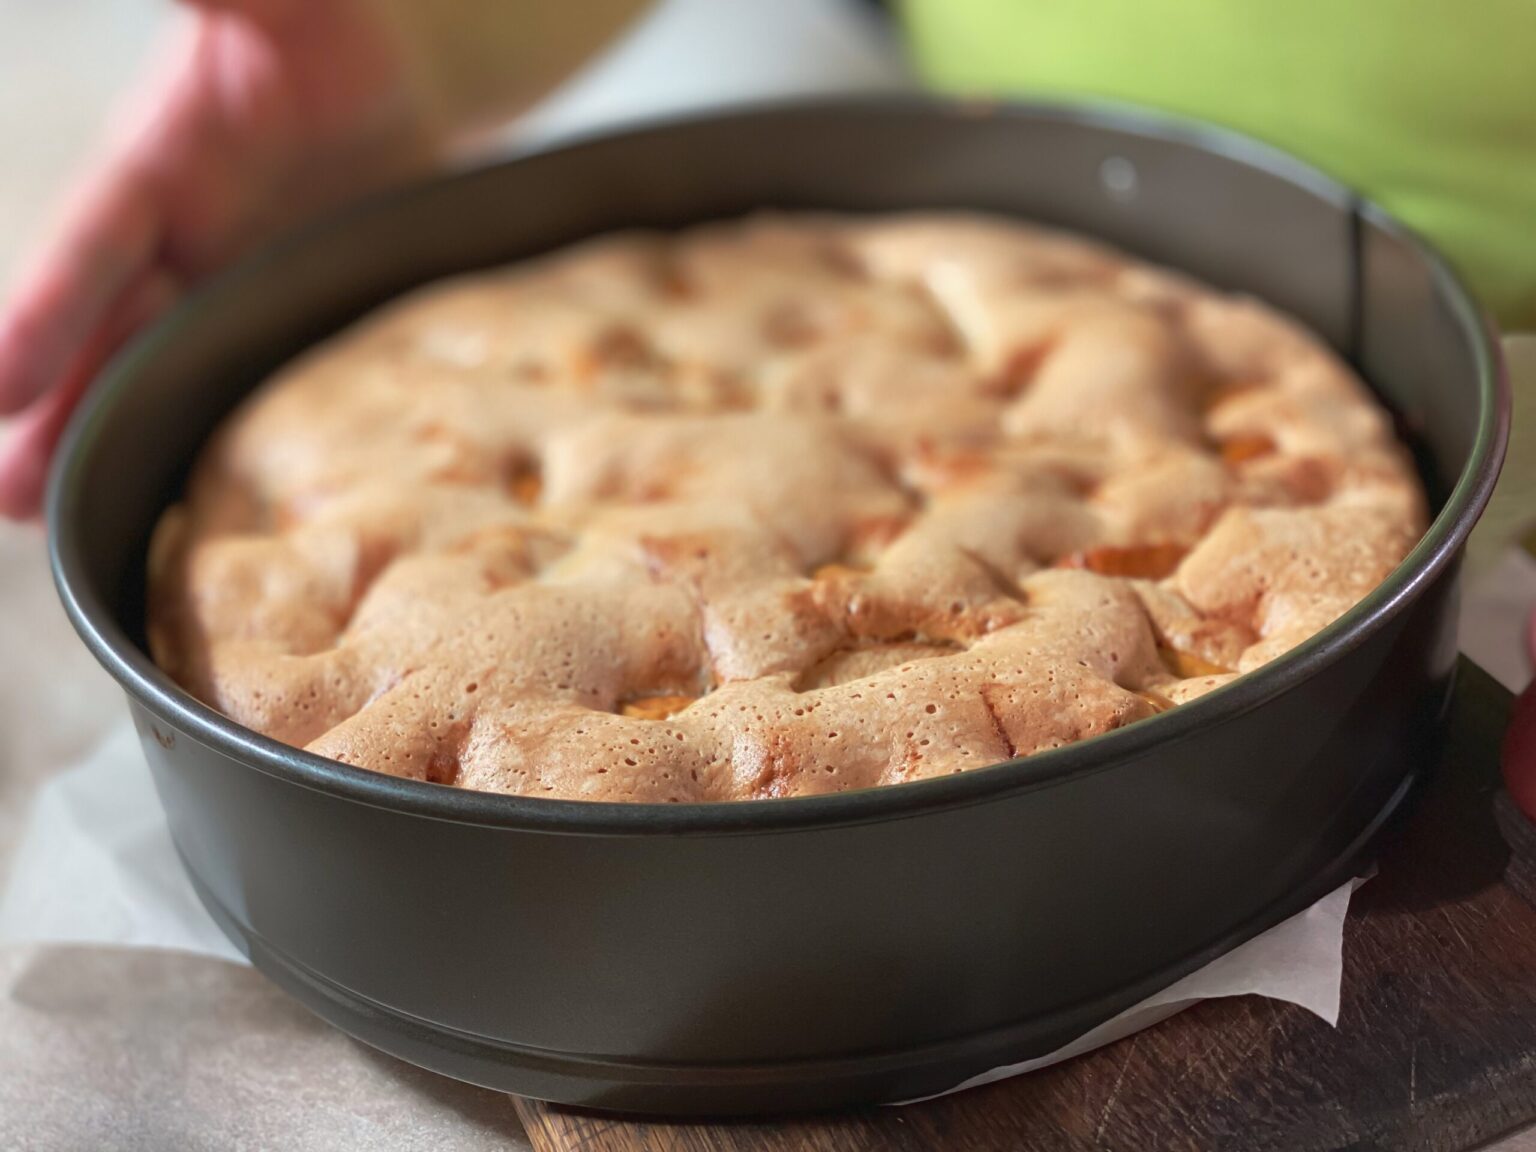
(66, 64)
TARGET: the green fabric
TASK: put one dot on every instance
(1427, 106)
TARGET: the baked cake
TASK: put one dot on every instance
(774, 507)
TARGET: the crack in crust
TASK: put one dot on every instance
(997, 721)
(774, 507)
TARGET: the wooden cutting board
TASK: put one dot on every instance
(1435, 1048)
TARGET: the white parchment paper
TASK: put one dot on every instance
(1300, 960)
(95, 864)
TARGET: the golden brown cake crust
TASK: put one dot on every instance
(776, 507)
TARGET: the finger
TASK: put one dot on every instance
(1517, 758)
(1530, 637)
(81, 279)
(106, 237)
(33, 437)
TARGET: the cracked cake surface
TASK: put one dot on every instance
(773, 507)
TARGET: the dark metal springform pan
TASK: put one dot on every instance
(801, 953)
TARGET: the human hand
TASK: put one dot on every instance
(263, 112)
